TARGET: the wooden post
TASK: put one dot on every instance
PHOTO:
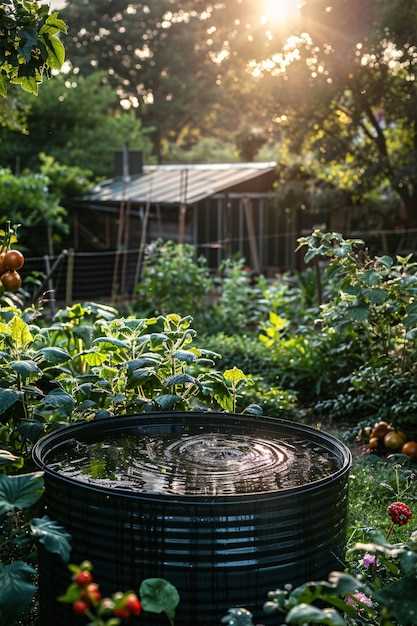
(70, 278)
(51, 291)
(139, 264)
(219, 231)
(252, 234)
(182, 223)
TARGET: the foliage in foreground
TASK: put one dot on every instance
(31, 46)
(19, 534)
(378, 586)
(156, 596)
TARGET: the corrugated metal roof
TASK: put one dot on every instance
(175, 184)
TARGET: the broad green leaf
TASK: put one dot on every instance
(56, 50)
(19, 492)
(8, 397)
(52, 536)
(167, 401)
(59, 399)
(159, 596)
(3, 86)
(307, 614)
(234, 376)
(185, 355)
(400, 598)
(112, 341)
(358, 313)
(94, 358)
(139, 363)
(26, 369)
(16, 590)
(54, 355)
(20, 333)
(180, 379)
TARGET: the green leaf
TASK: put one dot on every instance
(376, 296)
(167, 401)
(185, 355)
(26, 369)
(93, 358)
(112, 341)
(307, 614)
(59, 399)
(234, 376)
(8, 397)
(72, 594)
(179, 379)
(54, 355)
(56, 50)
(16, 590)
(386, 261)
(401, 599)
(3, 86)
(52, 536)
(20, 492)
(20, 333)
(159, 596)
(358, 313)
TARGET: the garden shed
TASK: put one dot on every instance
(222, 209)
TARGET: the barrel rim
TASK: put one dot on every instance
(42, 446)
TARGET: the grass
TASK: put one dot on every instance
(374, 484)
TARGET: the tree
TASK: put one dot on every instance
(77, 121)
(156, 55)
(30, 45)
(341, 87)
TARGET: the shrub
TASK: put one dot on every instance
(173, 280)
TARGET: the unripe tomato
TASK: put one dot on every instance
(14, 260)
(410, 449)
(83, 578)
(394, 441)
(11, 281)
(80, 607)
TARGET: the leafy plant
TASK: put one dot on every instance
(156, 596)
(30, 44)
(173, 280)
(20, 533)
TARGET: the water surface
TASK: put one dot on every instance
(195, 460)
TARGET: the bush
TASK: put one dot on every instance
(173, 280)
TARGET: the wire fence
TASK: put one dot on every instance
(111, 275)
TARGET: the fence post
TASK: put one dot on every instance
(51, 291)
(70, 278)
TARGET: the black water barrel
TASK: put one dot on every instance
(219, 551)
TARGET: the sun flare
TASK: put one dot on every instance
(281, 10)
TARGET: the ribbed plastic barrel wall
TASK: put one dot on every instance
(220, 552)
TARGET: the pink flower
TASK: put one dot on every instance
(360, 599)
(369, 560)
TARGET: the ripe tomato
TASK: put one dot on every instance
(2, 265)
(122, 612)
(11, 281)
(373, 443)
(380, 430)
(133, 604)
(410, 449)
(80, 607)
(14, 260)
(83, 578)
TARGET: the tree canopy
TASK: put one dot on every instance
(78, 121)
(30, 44)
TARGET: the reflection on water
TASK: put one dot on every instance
(195, 461)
